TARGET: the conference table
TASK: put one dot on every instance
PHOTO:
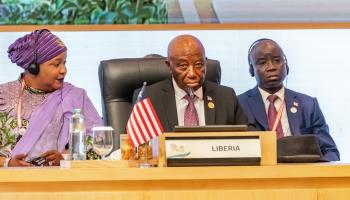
(119, 180)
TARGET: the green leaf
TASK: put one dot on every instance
(108, 17)
(95, 15)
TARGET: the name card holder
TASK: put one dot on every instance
(217, 148)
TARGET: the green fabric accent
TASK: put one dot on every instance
(7, 127)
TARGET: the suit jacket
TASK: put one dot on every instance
(226, 107)
(308, 118)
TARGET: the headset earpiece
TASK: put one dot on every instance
(251, 70)
(34, 68)
(286, 63)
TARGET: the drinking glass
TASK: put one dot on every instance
(102, 140)
(127, 151)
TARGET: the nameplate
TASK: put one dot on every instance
(212, 150)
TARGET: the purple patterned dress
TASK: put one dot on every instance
(10, 133)
(55, 129)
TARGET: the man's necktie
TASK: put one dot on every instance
(272, 114)
(191, 116)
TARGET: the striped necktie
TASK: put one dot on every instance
(191, 116)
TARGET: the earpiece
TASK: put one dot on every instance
(286, 63)
(251, 70)
(34, 67)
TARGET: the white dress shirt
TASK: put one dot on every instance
(277, 104)
(182, 103)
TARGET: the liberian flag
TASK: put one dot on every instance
(143, 124)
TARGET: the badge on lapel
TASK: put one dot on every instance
(211, 104)
(294, 108)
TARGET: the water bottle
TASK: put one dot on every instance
(77, 132)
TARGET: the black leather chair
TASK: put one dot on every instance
(120, 77)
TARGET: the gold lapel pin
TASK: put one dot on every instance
(211, 105)
(293, 109)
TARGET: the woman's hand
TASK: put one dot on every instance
(18, 161)
(52, 158)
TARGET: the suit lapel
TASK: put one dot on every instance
(169, 105)
(258, 108)
(293, 111)
(209, 97)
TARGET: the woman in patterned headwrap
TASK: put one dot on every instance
(35, 109)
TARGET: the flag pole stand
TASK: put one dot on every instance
(144, 159)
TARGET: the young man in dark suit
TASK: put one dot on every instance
(295, 113)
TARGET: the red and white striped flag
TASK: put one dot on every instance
(143, 124)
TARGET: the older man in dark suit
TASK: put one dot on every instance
(186, 99)
(271, 106)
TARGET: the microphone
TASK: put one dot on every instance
(190, 92)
